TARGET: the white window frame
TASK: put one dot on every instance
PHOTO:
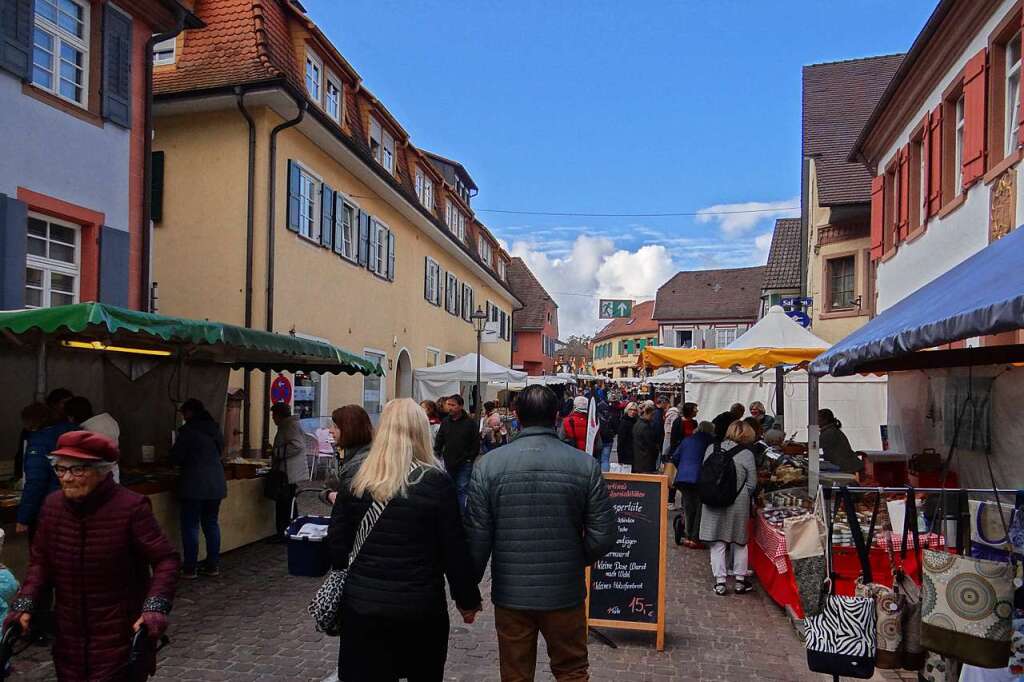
(958, 145)
(315, 90)
(50, 266)
(339, 86)
(433, 293)
(455, 219)
(424, 189)
(320, 379)
(165, 51)
(61, 36)
(434, 353)
(451, 293)
(384, 151)
(382, 393)
(484, 249)
(468, 300)
(502, 269)
(730, 334)
(1012, 84)
(313, 180)
(378, 254)
(352, 253)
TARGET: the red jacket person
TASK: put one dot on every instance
(96, 546)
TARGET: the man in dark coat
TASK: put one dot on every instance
(723, 420)
(201, 486)
(540, 512)
(100, 548)
(457, 444)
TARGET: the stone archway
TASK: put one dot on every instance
(403, 375)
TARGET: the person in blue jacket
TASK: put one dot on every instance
(43, 427)
(688, 458)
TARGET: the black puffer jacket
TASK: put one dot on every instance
(539, 509)
(197, 450)
(646, 447)
(417, 541)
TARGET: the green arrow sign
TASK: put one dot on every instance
(611, 308)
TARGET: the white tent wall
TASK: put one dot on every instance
(918, 415)
(431, 383)
(858, 402)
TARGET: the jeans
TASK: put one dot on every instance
(719, 554)
(196, 513)
(565, 633)
(691, 510)
(606, 456)
(461, 476)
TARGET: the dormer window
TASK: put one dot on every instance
(455, 219)
(314, 77)
(425, 189)
(462, 190)
(382, 145)
(333, 103)
(163, 52)
(502, 272)
(484, 249)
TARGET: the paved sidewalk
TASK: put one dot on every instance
(251, 624)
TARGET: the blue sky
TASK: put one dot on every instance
(613, 107)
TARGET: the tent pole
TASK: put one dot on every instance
(813, 458)
(41, 371)
(780, 398)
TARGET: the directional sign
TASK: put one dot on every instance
(611, 308)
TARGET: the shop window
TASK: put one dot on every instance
(308, 399)
(60, 53)
(841, 274)
(373, 387)
(53, 263)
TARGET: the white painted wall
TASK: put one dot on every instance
(950, 240)
(49, 151)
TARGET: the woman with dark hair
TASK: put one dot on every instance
(352, 431)
(835, 446)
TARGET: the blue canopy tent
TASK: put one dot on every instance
(981, 296)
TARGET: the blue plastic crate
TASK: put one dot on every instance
(307, 556)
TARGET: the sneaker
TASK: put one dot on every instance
(209, 571)
(189, 574)
(742, 586)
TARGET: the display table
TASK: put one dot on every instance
(769, 559)
(885, 467)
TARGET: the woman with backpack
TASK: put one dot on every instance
(723, 523)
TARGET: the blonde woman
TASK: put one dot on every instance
(725, 528)
(395, 613)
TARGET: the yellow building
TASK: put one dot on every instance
(289, 198)
(616, 348)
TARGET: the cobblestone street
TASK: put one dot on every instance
(251, 624)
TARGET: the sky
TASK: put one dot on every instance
(609, 107)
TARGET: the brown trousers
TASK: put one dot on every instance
(565, 633)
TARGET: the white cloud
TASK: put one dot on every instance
(733, 221)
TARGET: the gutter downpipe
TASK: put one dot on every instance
(249, 239)
(271, 208)
(145, 271)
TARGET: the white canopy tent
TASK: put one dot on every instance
(777, 330)
(431, 383)
(674, 376)
(543, 380)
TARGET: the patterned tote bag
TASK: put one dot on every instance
(841, 638)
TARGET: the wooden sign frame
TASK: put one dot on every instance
(658, 627)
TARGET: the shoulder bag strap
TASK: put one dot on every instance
(857, 533)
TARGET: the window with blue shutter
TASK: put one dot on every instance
(364, 239)
(13, 246)
(16, 37)
(114, 266)
(391, 256)
(326, 216)
(117, 67)
(294, 198)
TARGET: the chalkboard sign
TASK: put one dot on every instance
(626, 588)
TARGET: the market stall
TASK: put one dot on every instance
(139, 367)
(459, 376)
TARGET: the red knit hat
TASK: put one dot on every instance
(87, 445)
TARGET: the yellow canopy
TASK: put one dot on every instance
(744, 358)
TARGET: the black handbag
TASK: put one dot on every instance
(841, 639)
(275, 485)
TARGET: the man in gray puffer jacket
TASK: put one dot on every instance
(539, 509)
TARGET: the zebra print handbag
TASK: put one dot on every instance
(841, 639)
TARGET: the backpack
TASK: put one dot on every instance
(716, 484)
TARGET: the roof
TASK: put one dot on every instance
(777, 330)
(907, 63)
(783, 268)
(732, 294)
(457, 167)
(641, 322)
(982, 295)
(100, 325)
(838, 98)
(534, 297)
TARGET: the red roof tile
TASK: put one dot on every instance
(733, 294)
(535, 298)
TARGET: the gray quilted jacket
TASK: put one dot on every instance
(539, 510)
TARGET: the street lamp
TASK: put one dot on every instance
(479, 319)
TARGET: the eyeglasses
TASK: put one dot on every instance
(76, 470)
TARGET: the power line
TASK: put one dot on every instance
(635, 215)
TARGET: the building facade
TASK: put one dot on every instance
(708, 308)
(944, 148)
(535, 325)
(782, 272)
(838, 97)
(294, 201)
(73, 219)
(616, 348)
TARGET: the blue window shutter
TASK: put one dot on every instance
(339, 222)
(426, 278)
(156, 194)
(364, 238)
(13, 243)
(117, 67)
(16, 37)
(292, 220)
(326, 216)
(114, 264)
(391, 256)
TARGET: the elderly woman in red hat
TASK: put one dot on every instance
(99, 547)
